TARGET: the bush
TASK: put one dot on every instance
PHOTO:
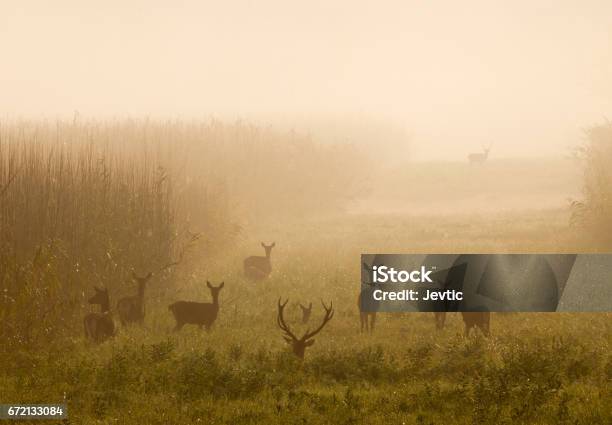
(594, 211)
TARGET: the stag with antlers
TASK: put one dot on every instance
(299, 345)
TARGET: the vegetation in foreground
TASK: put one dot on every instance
(535, 368)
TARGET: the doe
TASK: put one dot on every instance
(99, 326)
(259, 267)
(131, 309)
(194, 313)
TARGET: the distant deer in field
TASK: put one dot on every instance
(131, 309)
(306, 311)
(367, 318)
(299, 345)
(471, 320)
(440, 317)
(99, 326)
(480, 157)
(477, 319)
(193, 313)
(259, 267)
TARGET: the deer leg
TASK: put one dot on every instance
(485, 329)
(372, 322)
(440, 319)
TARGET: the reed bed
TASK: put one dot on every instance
(85, 203)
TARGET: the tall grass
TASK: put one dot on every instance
(86, 203)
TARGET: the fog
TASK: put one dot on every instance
(526, 75)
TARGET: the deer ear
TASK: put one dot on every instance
(288, 340)
(309, 343)
(208, 284)
(221, 285)
(149, 275)
(273, 245)
(263, 245)
(310, 306)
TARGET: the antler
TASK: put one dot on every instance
(329, 313)
(280, 321)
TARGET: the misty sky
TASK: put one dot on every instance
(525, 74)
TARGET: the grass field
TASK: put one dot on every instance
(535, 368)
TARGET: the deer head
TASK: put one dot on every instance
(101, 298)
(306, 312)
(214, 290)
(299, 345)
(141, 281)
(268, 248)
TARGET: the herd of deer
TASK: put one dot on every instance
(101, 326)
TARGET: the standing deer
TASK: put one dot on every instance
(99, 326)
(259, 267)
(299, 345)
(131, 309)
(480, 157)
(471, 320)
(477, 319)
(306, 311)
(367, 318)
(201, 314)
(440, 317)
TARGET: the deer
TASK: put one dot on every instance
(367, 318)
(299, 345)
(306, 311)
(476, 319)
(194, 313)
(471, 320)
(480, 157)
(131, 309)
(99, 326)
(440, 317)
(259, 267)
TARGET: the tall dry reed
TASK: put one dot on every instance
(85, 203)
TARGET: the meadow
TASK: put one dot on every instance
(534, 368)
